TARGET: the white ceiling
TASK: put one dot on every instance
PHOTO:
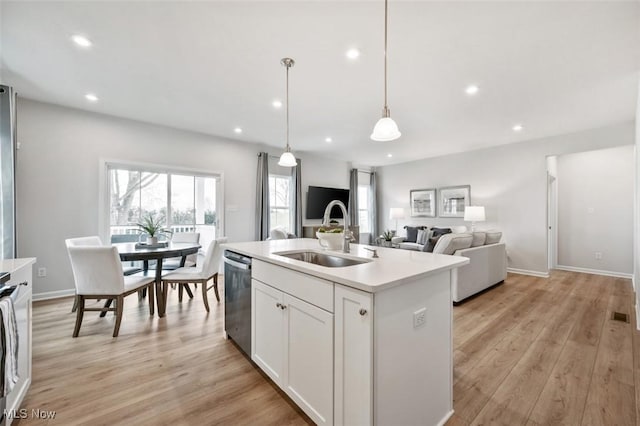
(555, 67)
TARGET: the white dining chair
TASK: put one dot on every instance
(93, 240)
(200, 274)
(97, 272)
(191, 260)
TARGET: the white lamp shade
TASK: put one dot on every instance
(287, 160)
(474, 214)
(385, 130)
(396, 213)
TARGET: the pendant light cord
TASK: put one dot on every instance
(287, 66)
(386, 11)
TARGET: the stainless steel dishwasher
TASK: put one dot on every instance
(237, 299)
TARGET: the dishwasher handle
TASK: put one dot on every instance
(238, 265)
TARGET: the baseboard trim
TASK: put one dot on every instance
(446, 418)
(595, 272)
(527, 272)
(637, 316)
(47, 295)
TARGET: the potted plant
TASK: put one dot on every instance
(387, 235)
(152, 226)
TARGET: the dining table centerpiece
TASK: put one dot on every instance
(153, 227)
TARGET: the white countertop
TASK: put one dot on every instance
(12, 265)
(393, 267)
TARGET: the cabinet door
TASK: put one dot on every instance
(308, 378)
(267, 330)
(353, 357)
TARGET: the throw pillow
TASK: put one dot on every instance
(430, 245)
(493, 237)
(440, 231)
(422, 236)
(412, 233)
(478, 239)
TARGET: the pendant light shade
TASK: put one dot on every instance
(385, 129)
(287, 159)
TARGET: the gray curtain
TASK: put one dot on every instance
(373, 207)
(353, 199)
(297, 199)
(262, 197)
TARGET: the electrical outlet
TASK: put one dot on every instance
(42, 272)
(598, 255)
(419, 317)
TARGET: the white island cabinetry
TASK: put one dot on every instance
(366, 344)
(292, 339)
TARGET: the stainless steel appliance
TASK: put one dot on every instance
(237, 299)
(7, 172)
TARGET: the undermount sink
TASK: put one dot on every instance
(322, 259)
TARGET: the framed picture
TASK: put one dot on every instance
(422, 202)
(453, 200)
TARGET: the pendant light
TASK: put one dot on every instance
(386, 129)
(287, 159)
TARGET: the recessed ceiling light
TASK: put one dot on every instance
(81, 41)
(389, 155)
(238, 130)
(517, 128)
(353, 53)
(471, 89)
(277, 103)
(91, 97)
(328, 140)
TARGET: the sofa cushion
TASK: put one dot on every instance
(411, 246)
(422, 236)
(440, 231)
(431, 243)
(412, 233)
(493, 237)
(461, 229)
(478, 239)
(449, 243)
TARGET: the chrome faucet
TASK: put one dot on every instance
(345, 215)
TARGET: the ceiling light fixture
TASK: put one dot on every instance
(287, 159)
(277, 104)
(91, 97)
(389, 155)
(472, 89)
(385, 129)
(328, 140)
(353, 53)
(238, 130)
(81, 41)
(517, 128)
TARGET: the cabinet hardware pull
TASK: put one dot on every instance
(24, 283)
(363, 312)
(283, 307)
(279, 305)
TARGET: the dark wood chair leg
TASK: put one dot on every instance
(188, 290)
(106, 305)
(180, 292)
(215, 286)
(79, 314)
(203, 284)
(119, 309)
(75, 304)
(151, 301)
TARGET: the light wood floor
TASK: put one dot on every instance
(532, 351)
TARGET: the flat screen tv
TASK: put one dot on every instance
(318, 198)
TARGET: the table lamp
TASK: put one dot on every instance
(474, 214)
(396, 213)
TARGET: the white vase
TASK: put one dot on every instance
(152, 241)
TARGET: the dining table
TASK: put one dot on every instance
(144, 253)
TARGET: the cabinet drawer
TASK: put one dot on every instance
(310, 289)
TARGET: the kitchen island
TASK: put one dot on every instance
(369, 343)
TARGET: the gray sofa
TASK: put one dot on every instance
(487, 255)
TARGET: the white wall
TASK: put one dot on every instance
(58, 174)
(509, 180)
(595, 210)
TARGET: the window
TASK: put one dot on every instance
(280, 202)
(185, 202)
(364, 202)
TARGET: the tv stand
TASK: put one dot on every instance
(309, 231)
